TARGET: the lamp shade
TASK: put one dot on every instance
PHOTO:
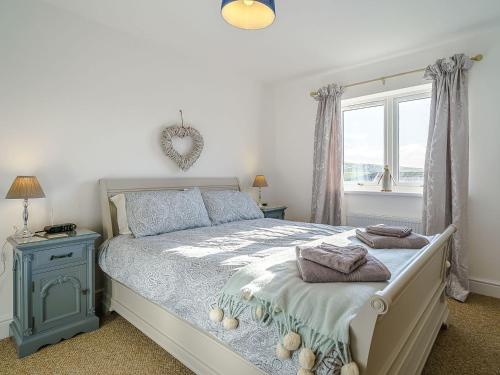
(25, 187)
(260, 181)
(249, 14)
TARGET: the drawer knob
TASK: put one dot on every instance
(68, 255)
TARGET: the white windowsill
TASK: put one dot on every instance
(400, 191)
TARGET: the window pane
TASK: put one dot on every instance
(363, 144)
(413, 129)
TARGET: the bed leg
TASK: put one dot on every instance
(445, 325)
(107, 307)
(106, 310)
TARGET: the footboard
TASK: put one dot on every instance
(394, 332)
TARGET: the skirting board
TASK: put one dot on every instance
(4, 326)
(485, 287)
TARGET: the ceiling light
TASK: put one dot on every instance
(249, 14)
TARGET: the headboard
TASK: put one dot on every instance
(113, 186)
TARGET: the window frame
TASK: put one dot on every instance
(390, 100)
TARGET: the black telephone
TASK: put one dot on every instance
(59, 228)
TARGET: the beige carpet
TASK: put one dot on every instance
(470, 346)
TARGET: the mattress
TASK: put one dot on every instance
(185, 271)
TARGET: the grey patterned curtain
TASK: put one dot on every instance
(327, 190)
(446, 175)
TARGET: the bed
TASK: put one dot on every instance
(392, 333)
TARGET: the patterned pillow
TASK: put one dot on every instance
(228, 205)
(155, 212)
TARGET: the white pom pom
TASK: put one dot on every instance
(307, 358)
(350, 369)
(230, 323)
(216, 314)
(291, 341)
(247, 294)
(282, 353)
(304, 371)
(259, 312)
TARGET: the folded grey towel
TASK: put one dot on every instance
(343, 259)
(413, 241)
(372, 271)
(388, 230)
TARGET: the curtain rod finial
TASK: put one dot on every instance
(478, 57)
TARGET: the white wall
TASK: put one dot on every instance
(484, 181)
(79, 102)
(291, 124)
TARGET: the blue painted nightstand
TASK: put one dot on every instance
(274, 212)
(53, 289)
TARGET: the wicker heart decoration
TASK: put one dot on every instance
(184, 161)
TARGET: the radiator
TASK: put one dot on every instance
(362, 220)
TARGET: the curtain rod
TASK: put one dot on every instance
(315, 93)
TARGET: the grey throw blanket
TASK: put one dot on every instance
(311, 272)
(343, 259)
(412, 241)
(387, 230)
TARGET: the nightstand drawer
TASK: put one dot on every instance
(275, 214)
(59, 255)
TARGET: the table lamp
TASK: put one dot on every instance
(260, 182)
(25, 187)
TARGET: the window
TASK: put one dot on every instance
(363, 143)
(413, 125)
(386, 129)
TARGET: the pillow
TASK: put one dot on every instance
(229, 205)
(121, 213)
(157, 212)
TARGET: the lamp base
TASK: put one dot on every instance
(24, 233)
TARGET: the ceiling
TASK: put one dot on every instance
(307, 36)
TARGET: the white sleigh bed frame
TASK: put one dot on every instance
(392, 333)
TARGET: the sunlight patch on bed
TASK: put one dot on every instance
(207, 249)
(273, 232)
